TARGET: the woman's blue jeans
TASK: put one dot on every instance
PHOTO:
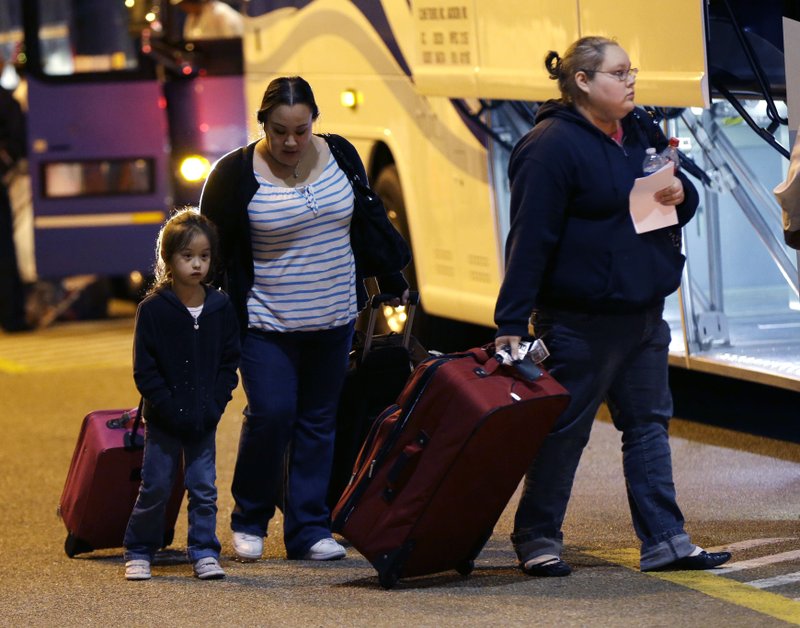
(162, 455)
(622, 359)
(292, 381)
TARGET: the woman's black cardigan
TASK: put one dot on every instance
(226, 194)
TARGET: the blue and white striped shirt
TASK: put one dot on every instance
(304, 266)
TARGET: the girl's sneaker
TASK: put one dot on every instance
(208, 569)
(137, 570)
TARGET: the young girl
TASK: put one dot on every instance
(185, 355)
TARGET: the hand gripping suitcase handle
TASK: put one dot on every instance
(375, 304)
(132, 439)
(524, 369)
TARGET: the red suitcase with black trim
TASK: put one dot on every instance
(438, 468)
(103, 483)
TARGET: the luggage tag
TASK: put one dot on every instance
(535, 351)
(532, 354)
(538, 351)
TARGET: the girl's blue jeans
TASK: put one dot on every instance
(162, 455)
(621, 359)
(292, 381)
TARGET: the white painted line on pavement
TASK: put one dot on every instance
(756, 562)
(749, 543)
(707, 582)
(768, 583)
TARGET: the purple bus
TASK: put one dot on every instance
(124, 117)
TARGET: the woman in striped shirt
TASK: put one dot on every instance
(283, 207)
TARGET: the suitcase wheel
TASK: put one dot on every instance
(74, 545)
(388, 580)
(465, 568)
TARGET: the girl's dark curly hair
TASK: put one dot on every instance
(175, 235)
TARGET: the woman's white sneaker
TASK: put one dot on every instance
(248, 546)
(325, 549)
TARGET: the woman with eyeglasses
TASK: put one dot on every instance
(594, 289)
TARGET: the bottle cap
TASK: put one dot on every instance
(674, 142)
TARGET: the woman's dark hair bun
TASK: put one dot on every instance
(553, 64)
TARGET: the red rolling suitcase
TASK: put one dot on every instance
(103, 482)
(438, 468)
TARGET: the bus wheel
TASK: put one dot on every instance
(387, 186)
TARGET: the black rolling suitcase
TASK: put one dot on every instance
(379, 368)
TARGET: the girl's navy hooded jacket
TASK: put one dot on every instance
(572, 244)
(186, 374)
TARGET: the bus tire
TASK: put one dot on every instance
(387, 186)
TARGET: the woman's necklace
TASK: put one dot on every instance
(277, 168)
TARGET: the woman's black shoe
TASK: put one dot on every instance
(553, 568)
(703, 560)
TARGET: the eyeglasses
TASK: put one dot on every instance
(621, 75)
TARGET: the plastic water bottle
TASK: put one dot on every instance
(653, 161)
(671, 152)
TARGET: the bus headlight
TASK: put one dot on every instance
(194, 168)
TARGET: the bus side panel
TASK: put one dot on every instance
(441, 164)
(98, 163)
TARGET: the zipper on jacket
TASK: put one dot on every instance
(198, 395)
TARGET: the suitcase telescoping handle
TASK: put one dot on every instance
(132, 439)
(375, 304)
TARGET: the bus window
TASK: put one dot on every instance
(118, 104)
(79, 36)
(10, 41)
(98, 177)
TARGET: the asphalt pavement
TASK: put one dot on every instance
(736, 490)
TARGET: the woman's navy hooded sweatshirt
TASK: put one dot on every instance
(572, 244)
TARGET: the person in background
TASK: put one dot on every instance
(185, 354)
(20, 195)
(210, 19)
(12, 151)
(283, 208)
(596, 289)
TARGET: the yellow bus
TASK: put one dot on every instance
(433, 93)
